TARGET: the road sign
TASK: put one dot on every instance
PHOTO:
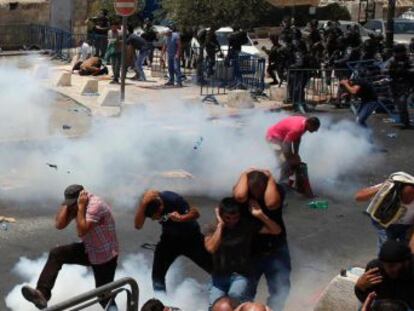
(125, 7)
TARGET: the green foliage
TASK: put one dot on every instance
(187, 13)
(333, 12)
(246, 13)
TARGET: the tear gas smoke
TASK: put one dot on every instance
(188, 295)
(121, 157)
(126, 155)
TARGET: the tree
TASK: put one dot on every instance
(188, 13)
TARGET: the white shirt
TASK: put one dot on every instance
(85, 51)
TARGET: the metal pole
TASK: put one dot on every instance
(123, 58)
(390, 25)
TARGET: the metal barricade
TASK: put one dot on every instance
(32, 36)
(217, 76)
(307, 88)
(109, 291)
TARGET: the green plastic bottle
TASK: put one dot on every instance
(318, 204)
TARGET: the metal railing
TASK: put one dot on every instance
(109, 291)
(217, 76)
(43, 37)
(310, 87)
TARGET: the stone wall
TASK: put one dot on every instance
(36, 13)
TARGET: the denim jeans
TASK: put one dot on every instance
(364, 112)
(235, 286)
(174, 69)
(116, 65)
(276, 268)
(139, 63)
(393, 232)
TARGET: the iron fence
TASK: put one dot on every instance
(307, 88)
(216, 75)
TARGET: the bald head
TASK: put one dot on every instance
(251, 306)
(224, 304)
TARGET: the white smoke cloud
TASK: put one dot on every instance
(121, 157)
(126, 155)
(188, 295)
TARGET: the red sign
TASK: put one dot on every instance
(125, 7)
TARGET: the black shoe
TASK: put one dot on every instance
(274, 83)
(34, 296)
(169, 83)
(114, 81)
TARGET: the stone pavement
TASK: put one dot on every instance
(152, 92)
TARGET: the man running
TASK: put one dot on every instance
(181, 233)
(99, 247)
(285, 138)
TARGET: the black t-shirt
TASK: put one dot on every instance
(173, 202)
(234, 253)
(102, 22)
(237, 40)
(264, 244)
(397, 289)
(366, 92)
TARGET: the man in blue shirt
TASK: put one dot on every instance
(172, 48)
(181, 234)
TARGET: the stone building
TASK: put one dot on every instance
(24, 12)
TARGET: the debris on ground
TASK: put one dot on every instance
(388, 120)
(5, 221)
(52, 166)
(392, 135)
(10, 220)
(318, 204)
(180, 174)
(66, 127)
(198, 143)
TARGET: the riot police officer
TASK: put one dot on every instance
(273, 55)
(401, 73)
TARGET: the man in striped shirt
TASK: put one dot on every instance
(98, 249)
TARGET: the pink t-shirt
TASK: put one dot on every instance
(101, 243)
(288, 130)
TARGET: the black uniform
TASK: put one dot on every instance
(177, 239)
(401, 73)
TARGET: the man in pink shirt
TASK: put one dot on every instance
(285, 138)
(99, 247)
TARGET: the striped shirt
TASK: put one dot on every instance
(101, 243)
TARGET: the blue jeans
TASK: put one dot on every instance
(364, 112)
(235, 286)
(139, 63)
(174, 69)
(276, 268)
(116, 65)
(393, 232)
